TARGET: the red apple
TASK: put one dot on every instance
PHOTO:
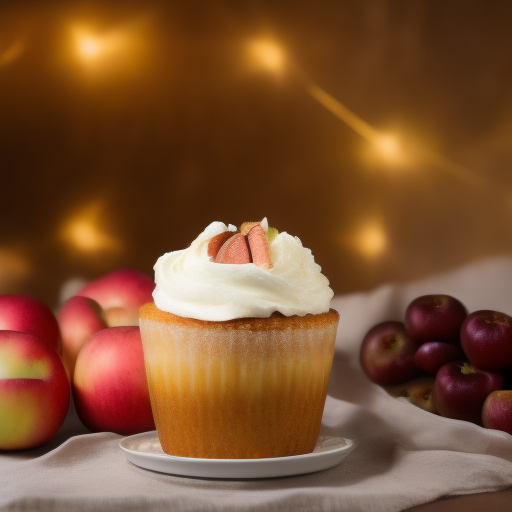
(486, 337)
(434, 354)
(34, 391)
(434, 318)
(120, 293)
(497, 411)
(110, 387)
(28, 314)
(387, 354)
(461, 389)
(79, 318)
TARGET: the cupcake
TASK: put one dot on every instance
(238, 345)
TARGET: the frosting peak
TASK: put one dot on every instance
(190, 284)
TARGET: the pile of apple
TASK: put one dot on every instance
(446, 361)
(92, 349)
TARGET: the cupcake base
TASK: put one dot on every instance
(245, 388)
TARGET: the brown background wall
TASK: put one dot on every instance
(111, 158)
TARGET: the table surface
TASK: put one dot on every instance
(406, 456)
(500, 501)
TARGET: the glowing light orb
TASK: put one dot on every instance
(84, 232)
(388, 146)
(267, 53)
(371, 241)
(89, 47)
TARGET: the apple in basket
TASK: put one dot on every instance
(111, 300)
(432, 355)
(461, 389)
(109, 383)
(387, 354)
(419, 392)
(486, 337)
(434, 318)
(34, 391)
(497, 411)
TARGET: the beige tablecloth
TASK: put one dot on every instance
(405, 455)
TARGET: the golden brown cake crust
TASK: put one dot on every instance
(276, 321)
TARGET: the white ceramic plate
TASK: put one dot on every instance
(144, 450)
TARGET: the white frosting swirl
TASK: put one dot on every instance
(189, 284)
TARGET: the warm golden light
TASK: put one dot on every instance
(268, 54)
(371, 240)
(89, 47)
(85, 233)
(112, 47)
(388, 146)
(118, 51)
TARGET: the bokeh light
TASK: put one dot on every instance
(388, 146)
(111, 51)
(320, 116)
(89, 47)
(85, 231)
(267, 54)
(92, 47)
(370, 240)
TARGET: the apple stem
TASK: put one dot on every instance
(467, 369)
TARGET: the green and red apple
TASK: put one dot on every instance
(34, 391)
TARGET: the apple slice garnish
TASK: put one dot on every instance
(235, 250)
(215, 243)
(250, 245)
(259, 246)
(247, 226)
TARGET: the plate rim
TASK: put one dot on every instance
(352, 443)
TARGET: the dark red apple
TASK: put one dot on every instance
(486, 337)
(434, 318)
(434, 354)
(387, 354)
(461, 389)
(497, 411)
